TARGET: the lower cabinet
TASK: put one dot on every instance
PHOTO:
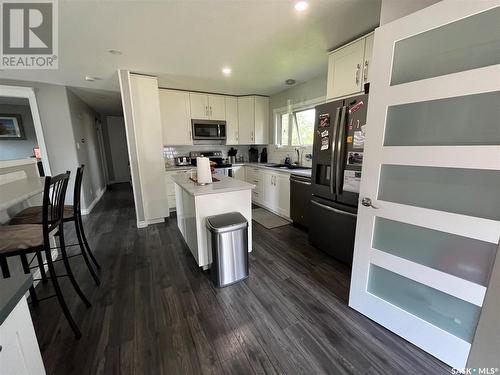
(272, 189)
(171, 187)
(239, 172)
(19, 351)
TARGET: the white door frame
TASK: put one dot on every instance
(440, 343)
(29, 93)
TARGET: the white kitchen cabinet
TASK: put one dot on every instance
(239, 172)
(254, 176)
(207, 106)
(368, 57)
(171, 188)
(276, 192)
(261, 120)
(348, 68)
(246, 120)
(231, 120)
(216, 107)
(199, 106)
(19, 352)
(175, 117)
(282, 188)
(253, 120)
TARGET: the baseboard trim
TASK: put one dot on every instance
(100, 193)
(145, 223)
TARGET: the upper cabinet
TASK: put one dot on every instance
(247, 117)
(232, 120)
(207, 106)
(175, 117)
(348, 68)
(253, 120)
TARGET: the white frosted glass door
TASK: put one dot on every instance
(428, 221)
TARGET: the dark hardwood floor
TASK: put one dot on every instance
(157, 313)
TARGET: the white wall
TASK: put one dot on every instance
(56, 126)
(116, 149)
(87, 148)
(22, 148)
(298, 94)
(394, 9)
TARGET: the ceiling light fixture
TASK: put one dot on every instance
(91, 78)
(301, 6)
(226, 71)
(290, 82)
(115, 52)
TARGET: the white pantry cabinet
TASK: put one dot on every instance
(253, 120)
(19, 351)
(207, 106)
(231, 120)
(175, 117)
(348, 68)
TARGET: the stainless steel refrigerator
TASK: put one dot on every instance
(337, 161)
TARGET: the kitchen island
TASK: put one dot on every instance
(195, 202)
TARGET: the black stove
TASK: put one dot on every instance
(215, 156)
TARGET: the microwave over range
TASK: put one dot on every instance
(209, 130)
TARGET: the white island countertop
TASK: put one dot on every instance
(224, 185)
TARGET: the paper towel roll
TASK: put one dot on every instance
(203, 171)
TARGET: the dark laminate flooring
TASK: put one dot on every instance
(157, 313)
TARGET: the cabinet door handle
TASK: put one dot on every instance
(190, 135)
(365, 71)
(210, 111)
(358, 69)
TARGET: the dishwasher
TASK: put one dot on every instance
(300, 199)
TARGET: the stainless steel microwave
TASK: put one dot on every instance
(209, 130)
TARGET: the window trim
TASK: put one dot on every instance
(291, 109)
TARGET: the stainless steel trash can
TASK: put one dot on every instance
(228, 240)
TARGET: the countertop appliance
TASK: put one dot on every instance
(182, 161)
(253, 155)
(336, 175)
(300, 200)
(209, 130)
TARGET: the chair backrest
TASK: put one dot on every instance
(54, 194)
(78, 188)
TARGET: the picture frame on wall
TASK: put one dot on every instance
(11, 126)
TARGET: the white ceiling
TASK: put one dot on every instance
(187, 42)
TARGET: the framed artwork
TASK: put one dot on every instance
(11, 127)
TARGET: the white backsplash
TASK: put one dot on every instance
(274, 154)
(171, 152)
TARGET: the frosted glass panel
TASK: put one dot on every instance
(464, 257)
(459, 121)
(473, 192)
(449, 313)
(470, 43)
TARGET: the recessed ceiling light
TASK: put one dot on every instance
(290, 82)
(115, 52)
(91, 78)
(301, 6)
(226, 71)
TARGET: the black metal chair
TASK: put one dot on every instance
(33, 215)
(25, 239)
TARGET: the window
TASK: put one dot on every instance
(296, 128)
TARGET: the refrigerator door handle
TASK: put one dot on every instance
(339, 167)
(333, 209)
(332, 158)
